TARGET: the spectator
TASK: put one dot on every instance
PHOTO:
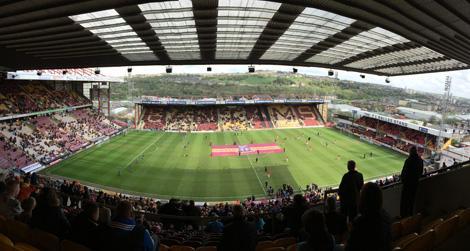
(318, 238)
(10, 207)
(215, 226)
(294, 214)
(125, 234)
(85, 228)
(412, 170)
(28, 206)
(25, 190)
(349, 188)
(49, 216)
(195, 212)
(335, 222)
(105, 216)
(239, 234)
(371, 229)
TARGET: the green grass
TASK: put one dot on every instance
(164, 171)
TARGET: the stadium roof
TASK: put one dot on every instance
(379, 37)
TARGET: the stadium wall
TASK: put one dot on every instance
(437, 194)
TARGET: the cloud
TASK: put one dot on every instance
(430, 82)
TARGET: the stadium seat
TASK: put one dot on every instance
(423, 242)
(7, 247)
(396, 230)
(181, 248)
(431, 225)
(5, 240)
(67, 245)
(25, 247)
(292, 247)
(263, 245)
(44, 240)
(18, 231)
(405, 240)
(285, 242)
(446, 229)
(410, 224)
(464, 218)
(207, 248)
(164, 247)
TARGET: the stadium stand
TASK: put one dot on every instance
(228, 118)
(154, 117)
(398, 131)
(33, 97)
(283, 116)
(257, 117)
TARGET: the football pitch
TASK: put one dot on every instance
(166, 164)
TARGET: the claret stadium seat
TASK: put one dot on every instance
(164, 247)
(44, 240)
(67, 245)
(285, 242)
(446, 229)
(423, 242)
(263, 245)
(18, 231)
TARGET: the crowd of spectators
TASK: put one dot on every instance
(399, 131)
(19, 98)
(228, 118)
(46, 138)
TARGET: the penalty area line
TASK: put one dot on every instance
(142, 152)
(254, 170)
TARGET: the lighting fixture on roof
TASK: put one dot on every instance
(39, 73)
(294, 70)
(97, 71)
(362, 76)
(209, 68)
(129, 69)
(169, 69)
(387, 80)
(64, 72)
(251, 69)
(331, 72)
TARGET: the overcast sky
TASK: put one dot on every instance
(430, 82)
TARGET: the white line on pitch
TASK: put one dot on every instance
(130, 162)
(254, 170)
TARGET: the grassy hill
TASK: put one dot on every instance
(274, 83)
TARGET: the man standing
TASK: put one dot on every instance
(239, 234)
(349, 188)
(412, 170)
